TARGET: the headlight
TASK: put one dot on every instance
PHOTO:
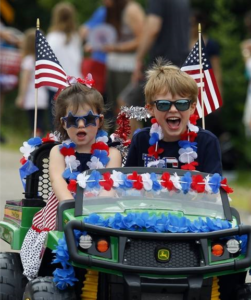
(85, 241)
(233, 246)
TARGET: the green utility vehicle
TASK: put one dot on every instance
(129, 241)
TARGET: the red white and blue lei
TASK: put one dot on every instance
(99, 158)
(188, 150)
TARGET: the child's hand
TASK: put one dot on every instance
(110, 48)
(246, 49)
(19, 102)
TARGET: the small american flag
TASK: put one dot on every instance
(211, 95)
(48, 71)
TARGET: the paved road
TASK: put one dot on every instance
(11, 187)
(10, 184)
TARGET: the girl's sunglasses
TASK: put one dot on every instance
(165, 105)
(72, 120)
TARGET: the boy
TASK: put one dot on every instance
(171, 97)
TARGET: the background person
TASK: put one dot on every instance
(127, 17)
(26, 90)
(95, 63)
(166, 34)
(10, 42)
(64, 40)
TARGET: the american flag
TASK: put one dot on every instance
(48, 71)
(211, 95)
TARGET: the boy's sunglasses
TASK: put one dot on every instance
(165, 105)
(72, 120)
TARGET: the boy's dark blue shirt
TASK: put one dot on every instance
(208, 150)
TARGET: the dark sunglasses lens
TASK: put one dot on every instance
(90, 120)
(182, 104)
(163, 105)
(71, 121)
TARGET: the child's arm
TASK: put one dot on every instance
(56, 169)
(115, 158)
(25, 78)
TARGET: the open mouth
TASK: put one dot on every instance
(173, 122)
(81, 134)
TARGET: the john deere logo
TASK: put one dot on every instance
(163, 254)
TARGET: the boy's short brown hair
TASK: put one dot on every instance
(164, 77)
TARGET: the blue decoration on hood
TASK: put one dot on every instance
(158, 223)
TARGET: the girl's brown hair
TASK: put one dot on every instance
(64, 19)
(114, 14)
(164, 77)
(28, 44)
(75, 96)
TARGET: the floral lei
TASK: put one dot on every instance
(153, 182)
(99, 158)
(188, 150)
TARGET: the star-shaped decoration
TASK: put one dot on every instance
(90, 119)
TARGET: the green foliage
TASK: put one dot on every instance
(227, 28)
(234, 82)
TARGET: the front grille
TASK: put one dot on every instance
(143, 253)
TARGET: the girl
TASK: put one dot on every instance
(26, 92)
(78, 118)
(65, 42)
(79, 121)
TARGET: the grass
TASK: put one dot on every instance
(13, 140)
(240, 183)
(241, 198)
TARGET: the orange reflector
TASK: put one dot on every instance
(102, 245)
(217, 250)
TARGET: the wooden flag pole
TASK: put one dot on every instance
(36, 97)
(201, 78)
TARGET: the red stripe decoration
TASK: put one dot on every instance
(45, 219)
(211, 95)
(48, 71)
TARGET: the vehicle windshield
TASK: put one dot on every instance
(121, 200)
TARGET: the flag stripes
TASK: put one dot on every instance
(211, 95)
(46, 217)
(48, 71)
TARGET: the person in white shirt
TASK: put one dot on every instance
(26, 91)
(64, 40)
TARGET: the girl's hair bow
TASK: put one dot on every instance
(88, 80)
